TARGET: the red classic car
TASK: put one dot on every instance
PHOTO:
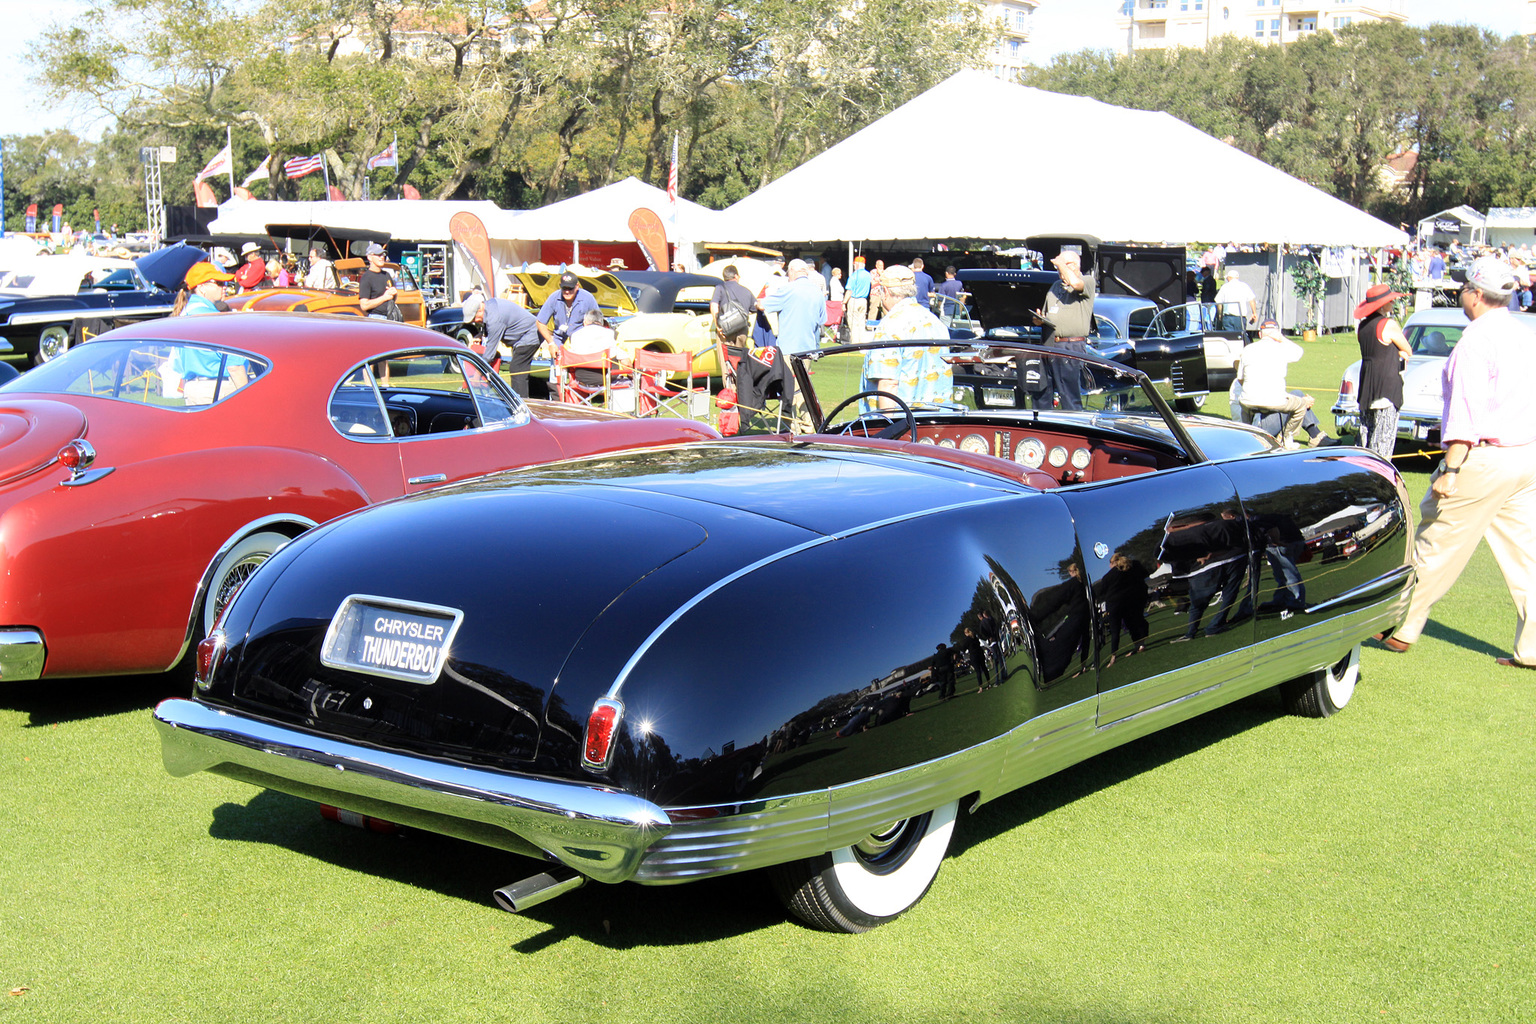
(145, 474)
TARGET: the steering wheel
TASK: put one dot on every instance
(907, 426)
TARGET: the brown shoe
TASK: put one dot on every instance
(1512, 663)
(1392, 643)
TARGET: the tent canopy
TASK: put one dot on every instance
(975, 157)
(412, 220)
(602, 215)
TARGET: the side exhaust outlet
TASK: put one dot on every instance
(530, 892)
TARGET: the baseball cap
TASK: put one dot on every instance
(568, 281)
(1492, 276)
(374, 249)
(202, 273)
(896, 273)
(472, 304)
(1268, 325)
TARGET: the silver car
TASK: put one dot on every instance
(1432, 334)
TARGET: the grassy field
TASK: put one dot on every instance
(1247, 866)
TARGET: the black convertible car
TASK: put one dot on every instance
(807, 653)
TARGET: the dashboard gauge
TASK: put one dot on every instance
(1081, 458)
(947, 443)
(1058, 456)
(975, 444)
(1030, 452)
(926, 440)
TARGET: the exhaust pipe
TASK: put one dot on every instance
(530, 892)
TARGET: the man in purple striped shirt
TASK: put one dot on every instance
(1486, 485)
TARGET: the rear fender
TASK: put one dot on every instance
(111, 571)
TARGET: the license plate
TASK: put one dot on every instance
(998, 397)
(386, 637)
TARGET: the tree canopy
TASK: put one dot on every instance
(1332, 108)
(518, 103)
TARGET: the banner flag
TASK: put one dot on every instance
(221, 163)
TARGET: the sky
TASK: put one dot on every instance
(1060, 26)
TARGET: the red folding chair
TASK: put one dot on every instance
(572, 391)
(659, 392)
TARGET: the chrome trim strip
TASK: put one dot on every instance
(1404, 575)
(224, 549)
(22, 653)
(696, 599)
(599, 832)
(90, 476)
(714, 840)
(127, 312)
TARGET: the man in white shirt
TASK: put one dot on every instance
(1237, 304)
(1261, 371)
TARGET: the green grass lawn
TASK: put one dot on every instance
(1246, 866)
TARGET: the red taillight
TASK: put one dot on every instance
(77, 456)
(208, 654)
(601, 725)
(1347, 388)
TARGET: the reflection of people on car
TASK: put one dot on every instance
(1284, 545)
(944, 671)
(1211, 556)
(1061, 616)
(1122, 596)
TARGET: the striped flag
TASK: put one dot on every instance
(220, 164)
(302, 165)
(672, 174)
(388, 158)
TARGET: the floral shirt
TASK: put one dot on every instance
(921, 374)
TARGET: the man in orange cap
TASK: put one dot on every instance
(204, 289)
(859, 283)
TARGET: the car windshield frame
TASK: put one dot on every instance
(1118, 392)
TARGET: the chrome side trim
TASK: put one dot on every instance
(249, 528)
(599, 832)
(108, 313)
(714, 840)
(22, 653)
(696, 599)
(1404, 576)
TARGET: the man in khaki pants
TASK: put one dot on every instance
(1486, 485)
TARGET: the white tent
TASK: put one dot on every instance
(413, 220)
(978, 158)
(602, 215)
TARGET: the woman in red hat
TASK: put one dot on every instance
(1383, 350)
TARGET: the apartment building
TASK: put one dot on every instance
(1157, 24)
(1014, 17)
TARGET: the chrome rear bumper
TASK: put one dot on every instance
(22, 653)
(599, 832)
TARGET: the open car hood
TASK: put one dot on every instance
(1007, 298)
(609, 291)
(167, 268)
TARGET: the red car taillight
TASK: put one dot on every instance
(601, 726)
(77, 457)
(209, 652)
(1346, 388)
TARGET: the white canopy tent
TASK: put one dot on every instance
(602, 215)
(1030, 162)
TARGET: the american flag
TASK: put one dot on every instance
(672, 174)
(302, 165)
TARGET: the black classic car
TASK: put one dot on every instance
(806, 654)
(43, 305)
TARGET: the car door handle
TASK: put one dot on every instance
(430, 478)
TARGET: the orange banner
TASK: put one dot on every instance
(651, 233)
(469, 231)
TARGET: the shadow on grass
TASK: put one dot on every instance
(1466, 641)
(1115, 766)
(613, 916)
(56, 701)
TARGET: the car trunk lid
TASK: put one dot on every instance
(31, 433)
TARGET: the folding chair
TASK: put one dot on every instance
(572, 391)
(657, 392)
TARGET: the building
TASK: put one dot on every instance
(1014, 17)
(1159, 24)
